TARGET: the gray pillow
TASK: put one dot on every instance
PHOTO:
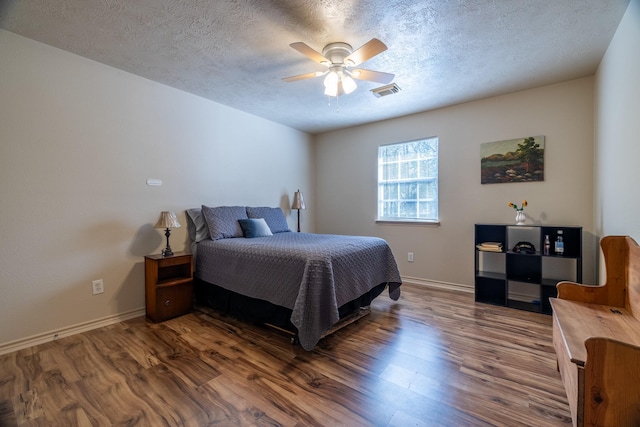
(222, 221)
(255, 227)
(197, 227)
(273, 216)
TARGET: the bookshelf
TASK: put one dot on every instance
(522, 280)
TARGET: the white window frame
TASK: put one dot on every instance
(414, 174)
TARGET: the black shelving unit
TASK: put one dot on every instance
(525, 281)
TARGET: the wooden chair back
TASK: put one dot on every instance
(622, 285)
(633, 278)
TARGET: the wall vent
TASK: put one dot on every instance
(386, 90)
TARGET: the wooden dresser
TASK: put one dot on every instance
(596, 336)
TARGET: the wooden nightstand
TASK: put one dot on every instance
(168, 285)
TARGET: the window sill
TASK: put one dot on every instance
(408, 222)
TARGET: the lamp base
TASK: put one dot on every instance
(167, 252)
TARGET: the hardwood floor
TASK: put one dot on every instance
(433, 358)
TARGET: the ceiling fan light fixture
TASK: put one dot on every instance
(338, 57)
(331, 90)
(348, 84)
(331, 80)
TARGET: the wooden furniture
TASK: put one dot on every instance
(168, 285)
(525, 281)
(596, 336)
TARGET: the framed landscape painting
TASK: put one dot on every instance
(513, 160)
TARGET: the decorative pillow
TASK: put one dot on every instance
(273, 216)
(255, 227)
(196, 225)
(222, 221)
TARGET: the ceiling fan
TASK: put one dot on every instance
(340, 58)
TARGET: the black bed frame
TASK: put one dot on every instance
(257, 311)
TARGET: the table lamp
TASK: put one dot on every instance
(298, 203)
(167, 220)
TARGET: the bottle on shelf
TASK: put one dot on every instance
(559, 244)
(547, 244)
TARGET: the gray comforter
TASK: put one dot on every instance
(311, 274)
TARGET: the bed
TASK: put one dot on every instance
(250, 265)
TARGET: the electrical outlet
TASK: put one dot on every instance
(97, 286)
(410, 256)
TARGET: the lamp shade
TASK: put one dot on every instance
(331, 90)
(167, 220)
(338, 82)
(348, 84)
(331, 80)
(298, 200)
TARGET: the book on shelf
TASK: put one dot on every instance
(490, 246)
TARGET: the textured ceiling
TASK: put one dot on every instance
(442, 52)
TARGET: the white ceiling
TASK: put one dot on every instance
(235, 52)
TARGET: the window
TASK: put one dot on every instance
(408, 181)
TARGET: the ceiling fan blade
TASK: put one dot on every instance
(304, 49)
(304, 76)
(365, 52)
(372, 76)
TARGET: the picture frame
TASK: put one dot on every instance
(512, 160)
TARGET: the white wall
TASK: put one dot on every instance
(78, 140)
(617, 207)
(347, 173)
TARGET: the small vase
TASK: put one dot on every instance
(520, 217)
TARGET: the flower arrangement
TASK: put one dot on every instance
(514, 206)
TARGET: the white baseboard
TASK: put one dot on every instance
(437, 284)
(22, 343)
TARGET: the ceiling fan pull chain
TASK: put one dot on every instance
(337, 103)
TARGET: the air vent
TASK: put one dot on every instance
(386, 90)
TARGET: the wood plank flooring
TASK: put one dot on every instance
(433, 358)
